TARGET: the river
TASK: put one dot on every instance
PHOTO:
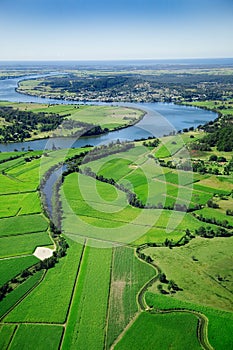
(160, 119)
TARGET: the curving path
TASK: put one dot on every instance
(202, 327)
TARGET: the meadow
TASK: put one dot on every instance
(97, 284)
(209, 261)
(110, 117)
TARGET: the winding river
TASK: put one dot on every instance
(160, 119)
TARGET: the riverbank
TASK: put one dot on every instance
(76, 120)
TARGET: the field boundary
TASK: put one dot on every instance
(109, 300)
(72, 295)
(24, 296)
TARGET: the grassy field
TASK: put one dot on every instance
(105, 116)
(173, 331)
(88, 307)
(23, 244)
(6, 332)
(128, 276)
(20, 204)
(56, 287)
(210, 282)
(9, 268)
(12, 298)
(36, 337)
(24, 224)
(218, 319)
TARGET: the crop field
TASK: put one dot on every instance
(172, 331)
(6, 332)
(19, 293)
(24, 244)
(27, 336)
(23, 224)
(88, 307)
(218, 319)
(20, 204)
(128, 277)
(9, 268)
(99, 282)
(57, 285)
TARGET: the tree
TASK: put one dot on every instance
(160, 288)
(213, 158)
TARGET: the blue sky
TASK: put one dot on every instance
(122, 29)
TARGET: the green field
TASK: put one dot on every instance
(111, 117)
(36, 337)
(10, 268)
(19, 293)
(56, 289)
(23, 244)
(128, 277)
(6, 332)
(210, 282)
(23, 224)
(19, 204)
(91, 298)
(88, 307)
(218, 319)
(173, 331)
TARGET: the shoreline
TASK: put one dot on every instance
(118, 128)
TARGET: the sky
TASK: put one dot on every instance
(115, 29)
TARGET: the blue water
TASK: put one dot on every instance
(160, 119)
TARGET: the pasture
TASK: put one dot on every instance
(218, 319)
(210, 282)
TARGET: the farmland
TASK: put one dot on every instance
(48, 120)
(149, 330)
(108, 276)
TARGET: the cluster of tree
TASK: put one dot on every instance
(21, 124)
(5, 289)
(214, 221)
(10, 158)
(229, 212)
(212, 204)
(153, 143)
(200, 146)
(222, 138)
(214, 158)
(105, 150)
(29, 159)
(85, 129)
(172, 287)
(209, 232)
